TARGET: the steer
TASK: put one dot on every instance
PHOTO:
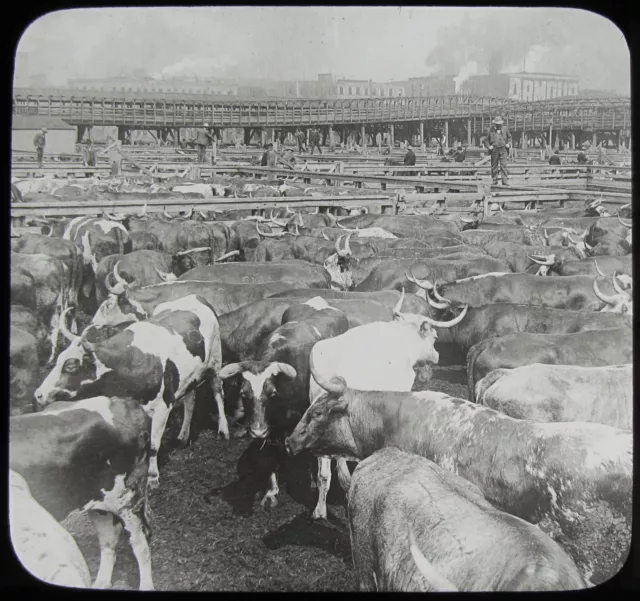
(574, 480)
(298, 272)
(125, 304)
(159, 362)
(588, 349)
(275, 386)
(399, 500)
(491, 321)
(561, 393)
(23, 367)
(570, 292)
(42, 545)
(92, 455)
(360, 357)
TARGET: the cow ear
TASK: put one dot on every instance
(426, 329)
(230, 370)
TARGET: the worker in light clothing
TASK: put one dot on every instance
(115, 158)
(499, 140)
(40, 141)
(379, 142)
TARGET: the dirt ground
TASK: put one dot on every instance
(210, 532)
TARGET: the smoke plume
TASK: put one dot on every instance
(561, 41)
(469, 69)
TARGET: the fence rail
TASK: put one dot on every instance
(148, 112)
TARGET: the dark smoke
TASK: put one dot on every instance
(578, 43)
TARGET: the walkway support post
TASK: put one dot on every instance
(446, 133)
(363, 133)
(469, 131)
(422, 135)
(392, 136)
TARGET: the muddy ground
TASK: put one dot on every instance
(210, 532)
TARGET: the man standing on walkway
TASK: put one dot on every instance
(499, 144)
(40, 141)
(269, 158)
(314, 140)
(202, 141)
(410, 157)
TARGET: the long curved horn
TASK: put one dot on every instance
(290, 211)
(203, 215)
(70, 336)
(465, 220)
(550, 260)
(447, 324)
(610, 300)
(335, 385)
(425, 284)
(587, 246)
(438, 582)
(316, 211)
(167, 277)
(188, 215)
(623, 223)
(337, 245)
(165, 214)
(438, 296)
(228, 255)
(604, 275)
(324, 235)
(396, 309)
(193, 250)
(347, 247)
(119, 278)
(118, 289)
(546, 236)
(267, 234)
(617, 288)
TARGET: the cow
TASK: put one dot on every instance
(393, 274)
(561, 393)
(45, 549)
(518, 257)
(297, 272)
(408, 344)
(23, 366)
(126, 305)
(590, 266)
(501, 319)
(398, 500)
(63, 250)
(594, 348)
(51, 295)
(275, 386)
(520, 236)
(572, 479)
(569, 292)
(159, 362)
(621, 302)
(92, 455)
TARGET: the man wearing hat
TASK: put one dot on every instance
(410, 157)
(202, 141)
(499, 140)
(40, 141)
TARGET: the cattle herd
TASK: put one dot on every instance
(318, 333)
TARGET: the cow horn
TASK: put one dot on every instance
(447, 324)
(165, 214)
(396, 309)
(266, 234)
(438, 296)
(316, 211)
(464, 220)
(335, 385)
(604, 275)
(623, 223)
(193, 250)
(570, 238)
(426, 284)
(550, 260)
(324, 235)
(228, 255)
(143, 213)
(202, 214)
(500, 207)
(119, 278)
(118, 289)
(188, 215)
(546, 236)
(587, 246)
(617, 288)
(607, 299)
(70, 336)
(290, 211)
(436, 581)
(167, 277)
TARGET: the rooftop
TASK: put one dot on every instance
(37, 122)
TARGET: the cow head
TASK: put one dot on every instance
(425, 329)
(76, 366)
(324, 427)
(338, 265)
(469, 224)
(259, 390)
(621, 302)
(119, 306)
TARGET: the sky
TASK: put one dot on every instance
(379, 43)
